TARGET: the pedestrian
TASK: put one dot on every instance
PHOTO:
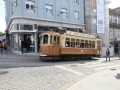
(108, 54)
(5, 46)
(1, 47)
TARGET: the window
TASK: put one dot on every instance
(67, 42)
(50, 39)
(110, 17)
(73, 43)
(12, 27)
(82, 44)
(35, 26)
(93, 44)
(41, 39)
(30, 6)
(76, 1)
(89, 46)
(58, 40)
(16, 26)
(77, 43)
(26, 27)
(86, 43)
(64, 13)
(76, 15)
(54, 40)
(49, 9)
(45, 39)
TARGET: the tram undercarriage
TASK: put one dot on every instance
(69, 57)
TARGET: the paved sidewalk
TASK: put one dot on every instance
(103, 80)
(16, 55)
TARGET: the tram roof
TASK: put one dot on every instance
(49, 32)
(74, 34)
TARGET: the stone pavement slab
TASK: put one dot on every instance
(103, 80)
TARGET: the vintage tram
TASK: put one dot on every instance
(69, 46)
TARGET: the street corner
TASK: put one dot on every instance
(74, 84)
(95, 81)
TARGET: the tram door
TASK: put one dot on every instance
(56, 45)
(99, 47)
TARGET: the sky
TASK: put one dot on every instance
(114, 4)
(2, 16)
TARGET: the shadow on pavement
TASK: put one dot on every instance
(118, 76)
(60, 60)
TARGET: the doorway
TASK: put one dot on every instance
(56, 45)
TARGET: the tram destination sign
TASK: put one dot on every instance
(79, 34)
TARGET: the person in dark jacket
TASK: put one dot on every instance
(108, 54)
(1, 46)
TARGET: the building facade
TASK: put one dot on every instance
(28, 18)
(97, 14)
(114, 22)
(91, 14)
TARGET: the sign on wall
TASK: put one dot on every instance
(100, 16)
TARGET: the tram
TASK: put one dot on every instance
(69, 46)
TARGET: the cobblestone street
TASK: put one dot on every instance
(27, 72)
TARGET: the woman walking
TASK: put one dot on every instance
(5, 46)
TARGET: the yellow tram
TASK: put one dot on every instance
(70, 45)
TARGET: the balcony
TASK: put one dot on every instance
(114, 12)
(114, 25)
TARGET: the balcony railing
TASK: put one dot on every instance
(114, 25)
(114, 12)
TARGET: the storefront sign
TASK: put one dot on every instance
(79, 34)
(100, 16)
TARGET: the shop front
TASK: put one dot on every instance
(117, 47)
(23, 41)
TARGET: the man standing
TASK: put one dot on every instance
(108, 54)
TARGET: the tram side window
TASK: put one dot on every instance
(73, 42)
(41, 39)
(82, 44)
(67, 42)
(86, 43)
(50, 39)
(89, 45)
(55, 39)
(58, 40)
(93, 44)
(45, 39)
(77, 43)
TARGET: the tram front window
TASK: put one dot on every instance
(41, 39)
(45, 39)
